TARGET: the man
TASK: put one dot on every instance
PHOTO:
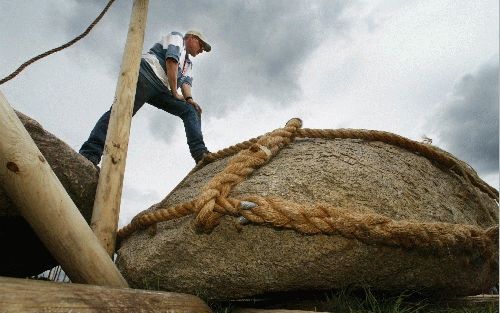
(166, 67)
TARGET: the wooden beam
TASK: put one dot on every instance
(30, 296)
(46, 206)
(109, 190)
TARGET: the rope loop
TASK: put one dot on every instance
(240, 167)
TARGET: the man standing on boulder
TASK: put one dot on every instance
(163, 69)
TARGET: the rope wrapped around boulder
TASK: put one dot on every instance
(445, 160)
(441, 238)
(213, 194)
(213, 201)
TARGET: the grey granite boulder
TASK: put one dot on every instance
(366, 177)
(25, 254)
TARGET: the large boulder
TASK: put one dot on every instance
(366, 177)
(25, 255)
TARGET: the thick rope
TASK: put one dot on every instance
(442, 158)
(145, 220)
(229, 151)
(213, 203)
(442, 238)
(425, 150)
(239, 167)
(64, 46)
(207, 204)
(212, 157)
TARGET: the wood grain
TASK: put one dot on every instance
(30, 296)
(109, 189)
(44, 203)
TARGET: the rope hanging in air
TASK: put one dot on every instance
(62, 47)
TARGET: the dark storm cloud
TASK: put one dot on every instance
(103, 46)
(18, 44)
(258, 46)
(468, 121)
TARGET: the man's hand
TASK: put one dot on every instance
(177, 95)
(195, 105)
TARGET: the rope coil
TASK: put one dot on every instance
(213, 201)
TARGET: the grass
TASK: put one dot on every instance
(367, 302)
(355, 301)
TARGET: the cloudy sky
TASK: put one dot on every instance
(415, 68)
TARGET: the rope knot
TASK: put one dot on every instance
(240, 167)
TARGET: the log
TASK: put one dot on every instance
(22, 295)
(41, 199)
(27, 254)
(109, 189)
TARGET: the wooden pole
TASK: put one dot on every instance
(109, 189)
(46, 206)
(30, 296)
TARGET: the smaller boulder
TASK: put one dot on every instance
(27, 256)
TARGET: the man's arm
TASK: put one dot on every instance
(186, 91)
(172, 77)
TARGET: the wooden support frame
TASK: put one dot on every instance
(109, 190)
(31, 296)
(42, 200)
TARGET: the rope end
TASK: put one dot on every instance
(294, 122)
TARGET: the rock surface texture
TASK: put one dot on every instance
(25, 254)
(235, 261)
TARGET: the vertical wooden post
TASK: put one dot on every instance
(109, 189)
(41, 199)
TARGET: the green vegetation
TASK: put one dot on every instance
(351, 301)
(367, 302)
(346, 301)
(406, 302)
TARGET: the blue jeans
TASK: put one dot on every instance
(92, 149)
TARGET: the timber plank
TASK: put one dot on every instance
(30, 296)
